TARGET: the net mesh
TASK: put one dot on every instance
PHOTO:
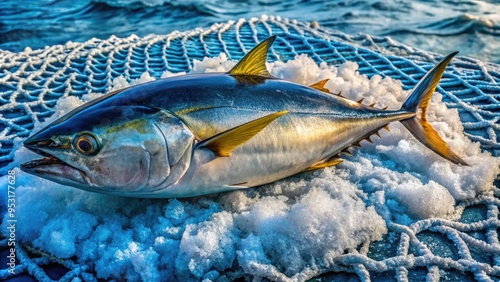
(463, 248)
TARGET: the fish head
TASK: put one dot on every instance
(108, 150)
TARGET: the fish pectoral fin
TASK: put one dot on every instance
(224, 143)
(320, 85)
(254, 62)
(330, 162)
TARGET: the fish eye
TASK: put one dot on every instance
(86, 144)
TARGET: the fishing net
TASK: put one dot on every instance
(465, 247)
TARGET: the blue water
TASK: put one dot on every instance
(470, 26)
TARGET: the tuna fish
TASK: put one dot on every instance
(206, 133)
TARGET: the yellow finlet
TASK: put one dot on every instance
(320, 85)
(346, 151)
(224, 143)
(327, 163)
(254, 62)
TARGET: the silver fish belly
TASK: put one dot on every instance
(200, 134)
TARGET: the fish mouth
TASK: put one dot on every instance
(48, 160)
(54, 169)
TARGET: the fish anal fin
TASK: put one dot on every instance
(320, 85)
(224, 143)
(254, 62)
(330, 162)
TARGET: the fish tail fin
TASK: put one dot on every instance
(417, 102)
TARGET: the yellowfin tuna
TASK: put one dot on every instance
(205, 133)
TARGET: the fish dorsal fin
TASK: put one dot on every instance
(254, 62)
(320, 85)
(224, 143)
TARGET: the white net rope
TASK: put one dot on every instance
(465, 247)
